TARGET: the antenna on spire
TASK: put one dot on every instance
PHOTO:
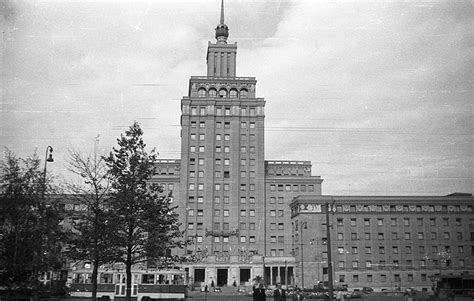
(222, 11)
(222, 31)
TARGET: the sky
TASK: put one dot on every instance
(378, 95)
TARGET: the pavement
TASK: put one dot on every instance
(211, 296)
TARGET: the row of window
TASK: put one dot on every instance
(222, 111)
(218, 161)
(243, 124)
(406, 221)
(243, 212)
(406, 236)
(404, 208)
(383, 278)
(223, 93)
(396, 264)
(408, 250)
(291, 187)
(225, 239)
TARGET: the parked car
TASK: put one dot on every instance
(367, 290)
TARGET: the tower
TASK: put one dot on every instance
(222, 168)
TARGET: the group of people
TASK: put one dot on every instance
(279, 294)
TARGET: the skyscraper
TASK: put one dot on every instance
(233, 204)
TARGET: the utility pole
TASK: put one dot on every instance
(328, 234)
(301, 245)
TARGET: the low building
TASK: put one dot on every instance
(383, 242)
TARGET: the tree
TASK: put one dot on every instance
(30, 240)
(146, 225)
(89, 238)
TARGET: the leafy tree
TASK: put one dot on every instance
(146, 225)
(89, 239)
(30, 239)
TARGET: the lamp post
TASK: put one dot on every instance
(328, 234)
(302, 224)
(49, 150)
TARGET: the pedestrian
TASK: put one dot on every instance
(279, 293)
(261, 296)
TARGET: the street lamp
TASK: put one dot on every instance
(49, 150)
(305, 225)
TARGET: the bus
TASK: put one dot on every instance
(147, 285)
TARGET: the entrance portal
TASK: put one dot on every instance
(244, 276)
(222, 276)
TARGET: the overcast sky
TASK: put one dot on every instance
(378, 96)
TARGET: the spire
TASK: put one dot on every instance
(222, 12)
(222, 31)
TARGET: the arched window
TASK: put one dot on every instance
(202, 92)
(223, 93)
(233, 93)
(244, 93)
(212, 92)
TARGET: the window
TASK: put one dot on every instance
(340, 222)
(252, 239)
(273, 239)
(340, 264)
(446, 235)
(423, 277)
(217, 186)
(243, 226)
(393, 222)
(217, 212)
(272, 213)
(367, 236)
(252, 125)
(243, 213)
(201, 136)
(353, 222)
(370, 278)
(200, 199)
(191, 186)
(201, 161)
(383, 278)
(218, 137)
(380, 222)
(433, 221)
(408, 249)
(340, 236)
(407, 235)
(251, 212)
(421, 235)
(394, 235)
(202, 92)
(395, 250)
(354, 236)
(406, 221)
(273, 226)
(227, 137)
(226, 149)
(445, 221)
(281, 239)
(227, 162)
(355, 264)
(419, 221)
(280, 213)
(226, 186)
(193, 111)
(217, 226)
(368, 250)
(226, 212)
(381, 250)
(434, 235)
(281, 226)
(200, 212)
(201, 174)
(190, 226)
(355, 250)
(218, 149)
(366, 222)
(458, 222)
(252, 226)
(380, 236)
(368, 264)
(212, 92)
(243, 239)
(340, 250)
